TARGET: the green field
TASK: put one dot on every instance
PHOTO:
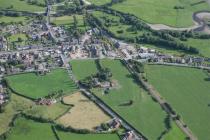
(83, 68)
(201, 44)
(34, 86)
(188, 92)
(7, 19)
(163, 11)
(74, 136)
(20, 5)
(144, 114)
(99, 2)
(29, 130)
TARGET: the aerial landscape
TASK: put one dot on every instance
(104, 69)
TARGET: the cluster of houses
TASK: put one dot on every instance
(46, 101)
(3, 96)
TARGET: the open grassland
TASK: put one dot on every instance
(188, 92)
(203, 45)
(6, 19)
(83, 68)
(74, 136)
(163, 11)
(29, 130)
(144, 114)
(84, 113)
(20, 5)
(99, 2)
(175, 133)
(35, 86)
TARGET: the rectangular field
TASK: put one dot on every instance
(188, 92)
(36, 86)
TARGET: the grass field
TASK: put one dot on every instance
(144, 114)
(83, 68)
(34, 86)
(188, 92)
(29, 130)
(163, 11)
(84, 113)
(19, 5)
(7, 19)
(99, 2)
(201, 44)
(73, 136)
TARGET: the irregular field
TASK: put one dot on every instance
(34, 86)
(84, 113)
(188, 92)
(30, 130)
(73, 136)
(19, 5)
(144, 113)
(163, 11)
(83, 68)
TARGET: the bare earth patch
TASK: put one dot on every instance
(84, 114)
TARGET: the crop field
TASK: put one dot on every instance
(29, 130)
(163, 11)
(34, 86)
(73, 136)
(20, 5)
(188, 92)
(144, 113)
(83, 68)
(84, 114)
(99, 2)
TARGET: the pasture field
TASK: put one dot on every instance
(144, 114)
(83, 68)
(187, 90)
(35, 86)
(16, 105)
(99, 2)
(73, 136)
(201, 44)
(6, 19)
(163, 11)
(84, 114)
(20, 5)
(25, 129)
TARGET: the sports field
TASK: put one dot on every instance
(84, 114)
(29, 130)
(188, 92)
(144, 114)
(20, 5)
(83, 68)
(163, 11)
(36, 86)
(73, 136)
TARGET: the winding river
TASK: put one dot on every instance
(198, 19)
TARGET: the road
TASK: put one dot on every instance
(101, 104)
